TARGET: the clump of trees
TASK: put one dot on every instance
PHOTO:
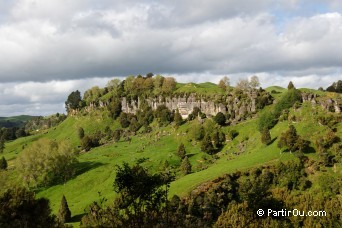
(47, 162)
(292, 141)
(335, 87)
(74, 101)
(245, 84)
(20, 208)
(229, 201)
(142, 200)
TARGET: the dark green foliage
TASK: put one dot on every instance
(220, 119)
(290, 86)
(80, 133)
(73, 101)
(134, 125)
(292, 141)
(181, 151)
(164, 115)
(145, 114)
(123, 119)
(185, 166)
(266, 136)
(2, 144)
(335, 87)
(64, 214)
(141, 194)
(114, 108)
(291, 175)
(3, 163)
(91, 141)
(20, 133)
(178, 118)
(207, 146)
(117, 135)
(19, 208)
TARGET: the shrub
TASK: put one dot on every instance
(220, 119)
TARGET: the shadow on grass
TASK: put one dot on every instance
(83, 167)
(272, 141)
(76, 218)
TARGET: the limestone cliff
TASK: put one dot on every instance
(238, 106)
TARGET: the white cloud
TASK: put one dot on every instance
(49, 47)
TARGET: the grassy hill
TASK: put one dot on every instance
(96, 168)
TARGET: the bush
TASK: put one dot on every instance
(20, 208)
(3, 163)
(220, 119)
(47, 162)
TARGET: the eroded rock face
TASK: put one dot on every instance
(236, 107)
(329, 104)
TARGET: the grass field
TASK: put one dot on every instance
(96, 170)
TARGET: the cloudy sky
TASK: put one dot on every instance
(50, 48)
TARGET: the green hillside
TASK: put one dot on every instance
(96, 168)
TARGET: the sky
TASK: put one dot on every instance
(51, 48)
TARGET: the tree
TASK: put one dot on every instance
(80, 133)
(117, 135)
(169, 84)
(3, 163)
(220, 118)
(186, 166)
(164, 115)
(181, 151)
(335, 87)
(292, 141)
(290, 86)
(266, 136)
(254, 81)
(141, 194)
(178, 118)
(206, 145)
(64, 214)
(114, 108)
(2, 144)
(224, 83)
(19, 208)
(243, 84)
(113, 84)
(47, 162)
(73, 101)
(288, 139)
(123, 119)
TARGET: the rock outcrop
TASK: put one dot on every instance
(327, 103)
(237, 107)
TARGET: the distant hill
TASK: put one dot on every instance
(15, 121)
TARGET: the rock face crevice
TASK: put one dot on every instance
(236, 107)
